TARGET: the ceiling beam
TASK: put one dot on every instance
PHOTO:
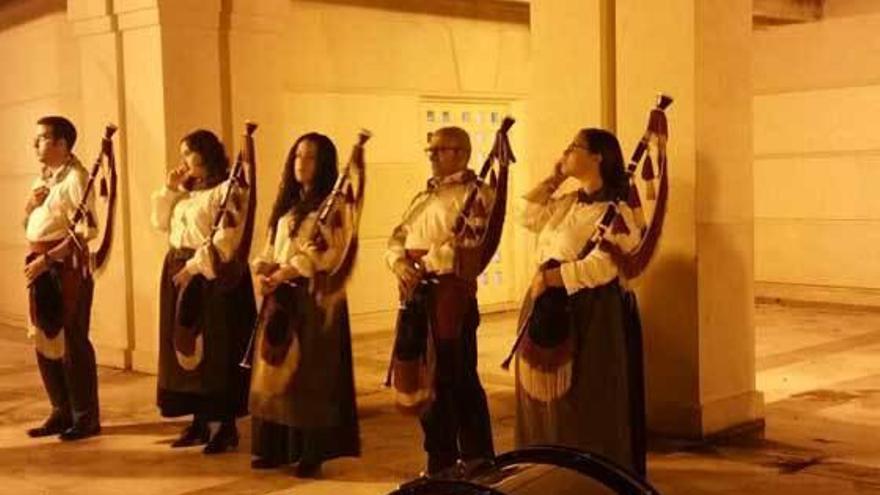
(772, 12)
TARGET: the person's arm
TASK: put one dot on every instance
(597, 268)
(225, 241)
(395, 253)
(163, 200)
(264, 263)
(540, 205)
(39, 191)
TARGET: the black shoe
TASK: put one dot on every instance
(194, 434)
(54, 425)
(225, 439)
(440, 466)
(263, 463)
(468, 468)
(308, 469)
(80, 431)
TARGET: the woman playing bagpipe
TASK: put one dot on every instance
(207, 306)
(579, 373)
(302, 391)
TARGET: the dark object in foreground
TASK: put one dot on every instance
(541, 470)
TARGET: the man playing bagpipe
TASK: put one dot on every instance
(60, 219)
(446, 238)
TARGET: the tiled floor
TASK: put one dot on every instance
(819, 369)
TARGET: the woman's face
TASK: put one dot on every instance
(578, 160)
(193, 161)
(305, 164)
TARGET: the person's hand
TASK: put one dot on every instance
(267, 284)
(557, 168)
(408, 276)
(182, 278)
(265, 267)
(270, 283)
(176, 176)
(538, 285)
(558, 176)
(36, 268)
(38, 196)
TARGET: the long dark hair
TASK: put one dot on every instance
(612, 170)
(290, 191)
(213, 154)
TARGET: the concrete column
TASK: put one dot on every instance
(601, 63)
(571, 87)
(171, 61)
(102, 96)
(698, 297)
(572, 78)
(254, 57)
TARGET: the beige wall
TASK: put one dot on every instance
(696, 298)
(840, 8)
(817, 159)
(160, 69)
(343, 67)
(41, 75)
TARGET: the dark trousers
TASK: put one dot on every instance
(287, 444)
(72, 381)
(457, 424)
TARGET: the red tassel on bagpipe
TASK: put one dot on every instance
(648, 177)
(619, 226)
(633, 263)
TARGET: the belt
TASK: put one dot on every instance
(43, 247)
(181, 253)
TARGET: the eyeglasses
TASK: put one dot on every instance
(437, 149)
(42, 137)
(573, 146)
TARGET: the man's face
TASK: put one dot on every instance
(50, 151)
(447, 155)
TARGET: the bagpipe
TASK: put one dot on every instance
(46, 296)
(279, 314)
(241, 184)
(544, 340)
(476, 234)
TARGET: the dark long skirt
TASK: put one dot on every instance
(218, 387)
(302, 392)
(604, 411)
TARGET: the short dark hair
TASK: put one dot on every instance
(213, 154)
(61, 129)
(459, 135)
